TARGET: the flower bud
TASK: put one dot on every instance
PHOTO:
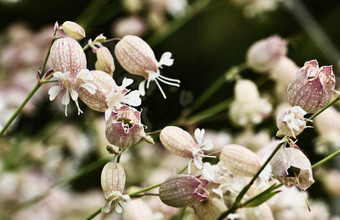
(290, 121)
(240, 160)
(124, 127)
(67, 56)
(291, 167)
(104, 84)
(264, 54)
(183, 190)
(113, 183)
(105, 61)
(312, 87)
(73, 30)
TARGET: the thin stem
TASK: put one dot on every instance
(216, 85)
(246, 188)
(48, 55)
(16, 113)
(326, 159)
(94, 214)
(145, 189)
(324, 108)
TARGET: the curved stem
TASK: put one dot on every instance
(94, 214)
(16, 113)
(326, 159)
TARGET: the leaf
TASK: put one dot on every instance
(262, 197)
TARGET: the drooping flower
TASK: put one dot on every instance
(264, 54)
(181, 143)
(183, 190)
(121, 96)
(70, 85)
(291, 121)
(292, 168)
(312, 87)
(124, 128)
(113, 183)
(137, 57)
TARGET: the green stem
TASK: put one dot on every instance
(216, 85)
(9, 122)
(208, 112)
(246, 188)
(145, 189)
(94, 214)
(326, 159)
(324, 108)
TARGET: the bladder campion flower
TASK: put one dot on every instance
(292, 168)
(113, 183)
(181, 143)
(312, 87)
(183, 190)
(291, 121)
(137, 57)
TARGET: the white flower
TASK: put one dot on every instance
(117, 200)
(121, 96)
(70, 86)
(198, 153)
(156, 76)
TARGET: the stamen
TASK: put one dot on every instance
(160, 88)
(168, 83)
(307, 203)
(169, 79)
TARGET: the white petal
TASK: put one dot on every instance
(207, 172)
(107, 113)
(198, 162)
(166, 59)
(189, 166)
(118, 209)
(207, 145)
(198, 135)
(54, 91)
(126, 82)
(58, 75)
(74, 94)
(84, 74)
(89, 87)
(66, 98)
(141, 88)
(133, 98)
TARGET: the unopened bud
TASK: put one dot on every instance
(240, 160)
(113, 183)
(105, 61)
(312, 87)
(264, 54)
(183, 190)
(67, 56)
(292, 168)
(104, 84)
(124, 127)
(73, 30)
(291, 121)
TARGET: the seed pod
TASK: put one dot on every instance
(104, 84)
(240, 160)
(291, 167)
(178, 141)
(183, 190)
(73, 30)
(124, 127)
(312, 87)
(290, 121)
(67, 56)
(112, 178)
(105, 61)
(264, 54)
